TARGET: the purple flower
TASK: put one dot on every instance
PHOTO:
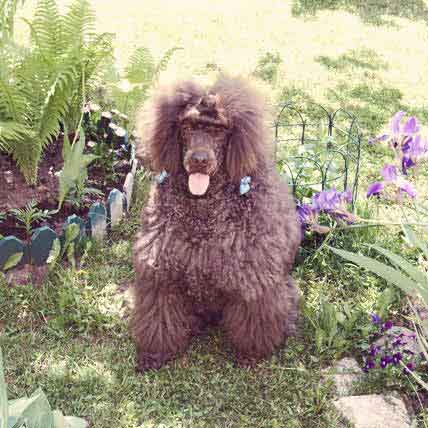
(370, 364)
(396, 358)
(409, 367)
(326, 200)
(388, 325)
(417, 149)
(374, 350)
(375, 318)
(397, 342)
(395, 122)
(375, 189)
(389, 173)
(346, 196)
(385, 360)
(411, 126)
(305, 213)
(405, 145)
(406, 163)
(407, 187)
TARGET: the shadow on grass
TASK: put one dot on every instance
(370, 11)
(358, 90)
(367, 59)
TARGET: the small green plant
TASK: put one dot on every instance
(74, 174)
(68, 248)
(33, 411)
(334, 326)
(28, 216)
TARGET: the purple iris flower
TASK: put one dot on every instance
(370, 364)
(374, 350)
(406, 163)
(326, 200)
(395, 122)
(406, 144)
(397, 342)
(407, 187)
(409, 367)
(388, 325)
(346, 196)
(417, 149)
(375, 318)
(375, 189)
(385, 360)
(389, 173)
(305, 213)
(411, 126)
(396, 358)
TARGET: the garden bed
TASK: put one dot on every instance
(94, 211)
(15, 192)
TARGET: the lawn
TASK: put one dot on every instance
(70, 336)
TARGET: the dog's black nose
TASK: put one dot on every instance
(200, 156)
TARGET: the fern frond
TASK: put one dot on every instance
(56, 103)
(8, 10)
(46, 29)
(12, 103)
(78, 24)
(166, 58)
(141, 67)
(12, 132)
(26, 153)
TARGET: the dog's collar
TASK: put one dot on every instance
(244, 186)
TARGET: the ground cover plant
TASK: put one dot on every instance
(74, 327)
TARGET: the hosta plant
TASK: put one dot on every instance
(33, 411)
(74, 174)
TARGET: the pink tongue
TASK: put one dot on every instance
(198, 183)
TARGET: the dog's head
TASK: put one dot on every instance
(201, 133)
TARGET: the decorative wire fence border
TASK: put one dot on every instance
(349, 151)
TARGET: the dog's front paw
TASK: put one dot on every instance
(151, 361)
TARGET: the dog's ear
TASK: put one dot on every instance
(158, 127)
(247, 145)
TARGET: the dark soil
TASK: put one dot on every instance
(16, 193)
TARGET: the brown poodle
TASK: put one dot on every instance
(219, 232)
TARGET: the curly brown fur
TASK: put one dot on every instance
(217, 254)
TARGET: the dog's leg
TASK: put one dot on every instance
(162, 325)
(256, 327)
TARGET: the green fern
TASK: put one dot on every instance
(8, 10)
(41, 87)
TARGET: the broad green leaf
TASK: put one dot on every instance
(71, 233)
(403, 264)
(12, 261)
(35, 410)
(66, 146)
(388, 273)
(75, 168)
(414, 240)
(55, 252)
